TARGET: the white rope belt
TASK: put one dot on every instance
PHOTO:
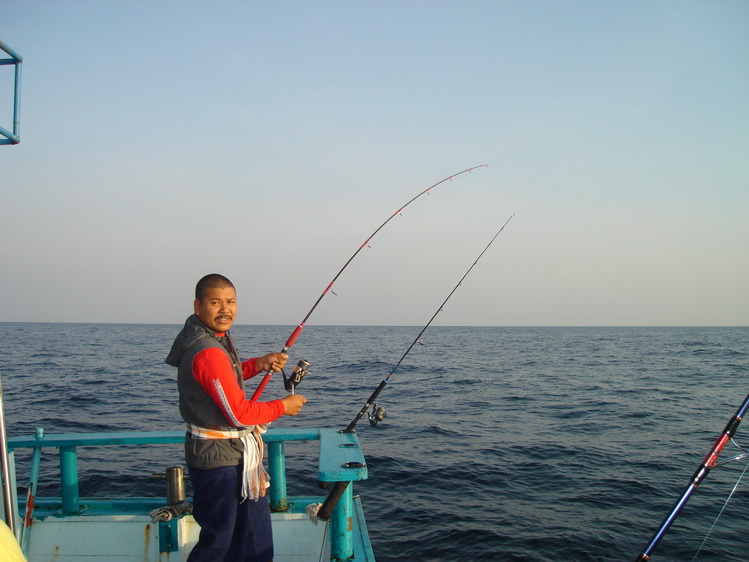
(254, 478)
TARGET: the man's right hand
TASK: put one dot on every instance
(292, 404)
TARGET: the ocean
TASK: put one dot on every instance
(535, 444)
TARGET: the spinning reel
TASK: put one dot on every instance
(377, 415)
(296, 376)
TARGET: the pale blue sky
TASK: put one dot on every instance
(266, 140)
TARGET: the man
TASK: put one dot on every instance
(224, 447)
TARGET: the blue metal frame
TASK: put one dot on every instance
(13, 137)
(340, 460)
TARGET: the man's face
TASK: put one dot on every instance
(218, 308)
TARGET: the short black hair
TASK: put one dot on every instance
(211, 281)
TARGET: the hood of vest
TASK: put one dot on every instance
(193, 332)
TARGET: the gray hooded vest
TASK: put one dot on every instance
(195, 405)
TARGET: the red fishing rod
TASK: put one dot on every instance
(335, 494)
(709, 462)
(300, 369)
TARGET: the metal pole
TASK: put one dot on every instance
(71, 501)
(36, 459)
(9, 517)
(13, 137)
(341, 537)
(277, 469)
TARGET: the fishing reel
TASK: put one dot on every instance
(296, 376)
(377, 415)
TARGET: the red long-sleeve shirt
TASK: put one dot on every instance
(212, 368)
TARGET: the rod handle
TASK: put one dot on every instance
(261, 386)
(268, 375)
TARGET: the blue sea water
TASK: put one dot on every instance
(499, 443)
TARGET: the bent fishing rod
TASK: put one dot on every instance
(335, 494)
(301, 368)
(709, 462)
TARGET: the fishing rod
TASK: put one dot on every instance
(300, 369)
(709, 462)
(335, 494)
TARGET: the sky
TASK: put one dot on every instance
(266, 141)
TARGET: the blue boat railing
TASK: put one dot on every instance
(13, 137)
(340, 460)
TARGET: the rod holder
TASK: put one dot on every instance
(175, 485)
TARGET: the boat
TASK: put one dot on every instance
(71, 527)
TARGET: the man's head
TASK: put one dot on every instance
(216, 302)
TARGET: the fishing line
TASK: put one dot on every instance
(322, 543)
(741, 456)
(725, 504)
(335, 494)
(298, 330)
(376, 393)
(738, 457)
